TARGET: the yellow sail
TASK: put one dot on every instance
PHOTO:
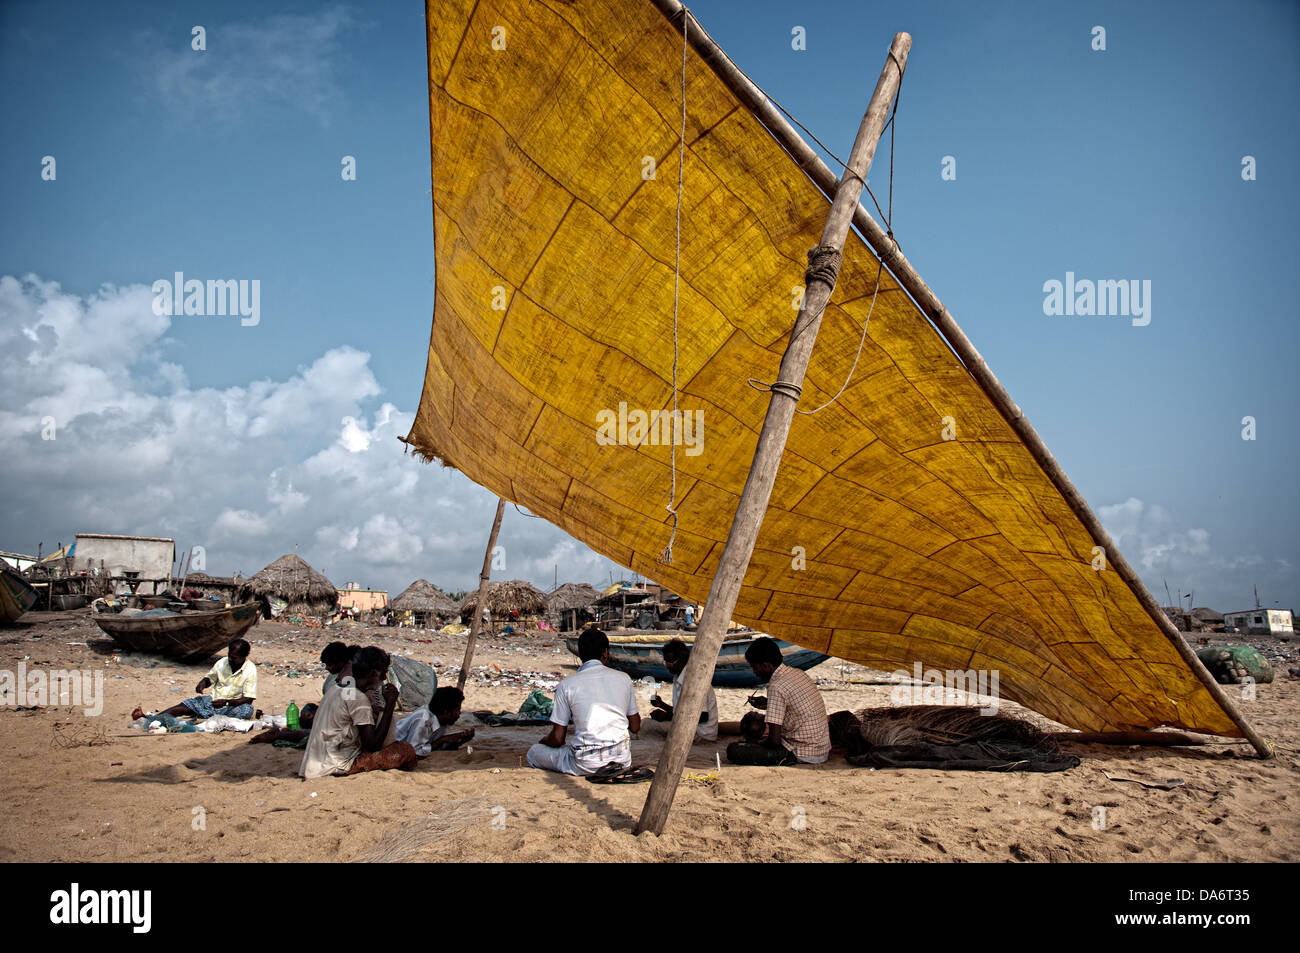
(909, 523)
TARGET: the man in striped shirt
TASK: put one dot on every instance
(796, 715)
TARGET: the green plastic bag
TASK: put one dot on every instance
(537, 705)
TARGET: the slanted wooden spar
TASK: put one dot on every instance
(482, 596)
(725, 588)
(930, 305)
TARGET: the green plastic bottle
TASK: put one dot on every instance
(291, 716)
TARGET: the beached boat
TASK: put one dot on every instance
(179, 635)
(641, 655)
(16, 594)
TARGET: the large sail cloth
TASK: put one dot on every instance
(554, 131)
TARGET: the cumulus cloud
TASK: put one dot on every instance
(308, 463)
(1162, 552)
(1149, 536)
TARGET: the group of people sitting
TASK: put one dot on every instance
(354, 729)
(600, 703)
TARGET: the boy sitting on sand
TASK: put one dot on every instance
(345, 739)
(426, 728)
(234, 687)
(676, 655)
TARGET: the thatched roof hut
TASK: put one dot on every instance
(571, 605)
(209, 586)
(290, 578)
(571, 595)
(423, 596)
(504, 598)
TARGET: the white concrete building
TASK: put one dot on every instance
(1260, 621)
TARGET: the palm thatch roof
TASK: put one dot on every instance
(571, 595)
(290, 578)
(424, 596)
(506, 597)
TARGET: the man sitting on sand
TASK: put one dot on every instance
(426, 728)
(345, 738)
(234, 687)
(676, 655)
(796, 715)
(602, 705)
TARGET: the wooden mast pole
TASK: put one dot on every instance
(477, 623)
(725, 588)
(929, 304)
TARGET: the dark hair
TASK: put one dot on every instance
(240, 647)
(446, 699)
(753, 725)
(334, 652)
(370, 659)
(676, 649)
(763, 650)
(592, 644)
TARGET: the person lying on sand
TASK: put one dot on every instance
(345, 738)
(234, 687)
(602, 705)
(426, 728)
(676, 655)
(299, 734)
(795, 714)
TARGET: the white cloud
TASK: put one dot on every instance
(1148, 535)
(238, 523)
(1164, 553)
(286, 58)
(386, 540)
(250, 471)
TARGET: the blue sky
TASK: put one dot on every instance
(253, 441)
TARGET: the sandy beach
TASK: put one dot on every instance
(137, 797)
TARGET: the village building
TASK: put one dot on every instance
(1260, 622)
(354, 597)
(142, 564)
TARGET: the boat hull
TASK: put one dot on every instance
(16, 595)
(642, 657)
(186, 636)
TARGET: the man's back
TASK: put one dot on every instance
(598, 700)
(794, 703)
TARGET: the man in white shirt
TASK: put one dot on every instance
(601, 703)
(676, 655)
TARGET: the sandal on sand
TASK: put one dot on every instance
(619, 774)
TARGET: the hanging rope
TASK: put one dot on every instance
(667, 555)
(822, 268)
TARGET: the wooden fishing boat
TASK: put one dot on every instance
(16, 594)
(182, 635)
(640, 655)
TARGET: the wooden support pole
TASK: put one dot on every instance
(725, 589)
(1155, 739)
(477, 623)
(929, 304)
